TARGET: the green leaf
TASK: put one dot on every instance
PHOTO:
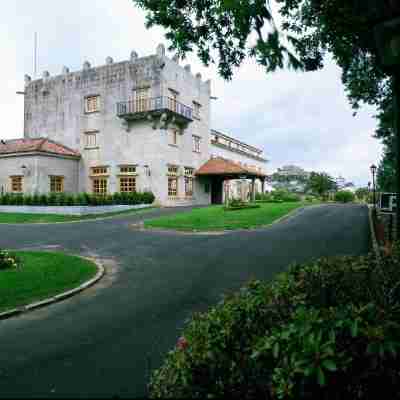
(329, 365)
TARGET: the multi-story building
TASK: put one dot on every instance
(136, 125)
(290, 177)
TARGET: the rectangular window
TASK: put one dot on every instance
(127, 169)
(91, 139)
(196, 143)
(174, 137)
(127, 184)
(173, 180)
(172, 186)
(99, 170)
(173, 100)
(189, 181)
(56, 184)
(196, 109)
(92, 104)
(100, 186)
(141, 100)
(17, 184)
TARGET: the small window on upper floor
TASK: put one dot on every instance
(91, 139)
(196, 109)
(92, 104)
(196, 143)
(173, 137)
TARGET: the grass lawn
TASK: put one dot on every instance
(42, 275)
(22, 218)
(216, 218)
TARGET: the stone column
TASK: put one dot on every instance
(253, 189)
(263, 185)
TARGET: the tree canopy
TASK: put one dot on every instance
(320, 183)
(225, 32)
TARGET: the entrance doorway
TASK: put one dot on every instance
(216, 191)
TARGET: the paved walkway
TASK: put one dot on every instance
(103, 342)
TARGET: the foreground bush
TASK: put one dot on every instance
(8, 260)
(326, 330)
(81, 199)
(345, 196)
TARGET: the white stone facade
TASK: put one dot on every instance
(149, 113)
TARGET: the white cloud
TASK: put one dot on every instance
(296, 118)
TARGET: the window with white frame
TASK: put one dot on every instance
(189, 181)
(196, 143)
(173, 180)
(92, 104)
(196, 109)
(90, 138)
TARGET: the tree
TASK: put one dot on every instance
(362, 193)
(320, 183)
(225, 32)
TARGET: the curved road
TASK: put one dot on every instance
(104, 342)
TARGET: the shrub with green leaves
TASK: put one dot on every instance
(328, 330)
(67, 199)
(8, 260)
(344, 196)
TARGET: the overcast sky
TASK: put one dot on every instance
(296, 118)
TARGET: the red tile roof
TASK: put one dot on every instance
(41, 145)
(223, 166)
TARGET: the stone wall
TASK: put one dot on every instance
(70, 210)
(36, 175)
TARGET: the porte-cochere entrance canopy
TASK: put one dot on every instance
(219, 169)
(229, 169)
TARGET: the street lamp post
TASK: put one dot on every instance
(383, 20)
(373, 171)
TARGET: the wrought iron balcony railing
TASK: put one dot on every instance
(137, 109)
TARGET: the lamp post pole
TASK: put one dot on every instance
(373, 170)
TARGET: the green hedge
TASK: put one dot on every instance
(81, 199)
(327, 330)
(345, 196)
(278, 196)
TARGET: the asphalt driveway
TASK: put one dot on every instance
(104, 342)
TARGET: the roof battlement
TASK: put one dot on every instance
(147, 67)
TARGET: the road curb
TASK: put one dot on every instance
(59, 297)
(375, 245)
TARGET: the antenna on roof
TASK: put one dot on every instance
(35, 56)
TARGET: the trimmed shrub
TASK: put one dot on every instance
(344, 196)
(327, 330)
(65, 199)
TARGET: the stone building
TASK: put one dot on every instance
(136, 125)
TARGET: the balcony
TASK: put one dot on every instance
(155, 107)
